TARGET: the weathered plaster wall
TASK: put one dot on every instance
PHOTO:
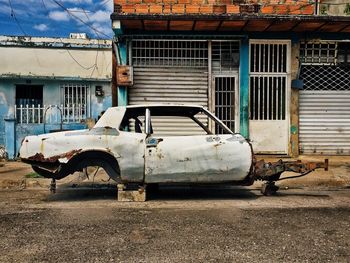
(56, 62)
(7, 101)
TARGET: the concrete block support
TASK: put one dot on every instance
(10, 138)
(131, 195)
(244, 88)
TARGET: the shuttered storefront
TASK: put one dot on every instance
(170, 71)
(324, 110)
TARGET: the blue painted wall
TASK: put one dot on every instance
(7, 102)
(244, 88)
(51, 96)
(123, 56)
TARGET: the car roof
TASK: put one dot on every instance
(165, 109)
(170, 105)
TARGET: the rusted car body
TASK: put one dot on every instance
(141, 156)
(126, 143)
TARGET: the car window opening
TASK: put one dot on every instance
(171, 121)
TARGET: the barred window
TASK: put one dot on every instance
(323, 52)
(75, 102)
(325, 65)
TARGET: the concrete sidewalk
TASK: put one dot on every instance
(17, 175)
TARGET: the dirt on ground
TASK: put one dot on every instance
(176, 224)
(307, 221)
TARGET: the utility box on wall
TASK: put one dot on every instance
(125, 76)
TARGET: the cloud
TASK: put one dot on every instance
(101, 28)
(59, 16)
(36, 16)
(41, 27)
(80, 1)
(100, 16)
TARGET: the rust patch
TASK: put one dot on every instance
(160, 155)
(264, 171)
(39, 157)
(184, 160)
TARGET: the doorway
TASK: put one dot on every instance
(269, 96)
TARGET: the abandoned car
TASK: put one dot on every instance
(153, 144)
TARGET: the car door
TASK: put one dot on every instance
(198, 158)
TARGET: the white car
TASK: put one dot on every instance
(132, 147)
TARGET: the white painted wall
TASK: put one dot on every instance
(25, 60)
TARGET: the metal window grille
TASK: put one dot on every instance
(75, 102)
(268, 98)
(267, 57)
(34, 114)
(225, 56)
(268, 80)
(225, 102)
(317, 77)
(175, 53)
(26, 114)
(323, 52)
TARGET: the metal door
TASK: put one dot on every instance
(324, 110)
(269, 96)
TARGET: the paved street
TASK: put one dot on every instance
(176, 225)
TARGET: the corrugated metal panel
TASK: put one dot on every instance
(184, 85)
(324, 122)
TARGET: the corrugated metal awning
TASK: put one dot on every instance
(233, 22)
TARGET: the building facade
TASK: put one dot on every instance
(275, 71)
(51, 84)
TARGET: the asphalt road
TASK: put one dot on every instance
(175, 225)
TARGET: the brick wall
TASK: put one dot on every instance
(280, 7)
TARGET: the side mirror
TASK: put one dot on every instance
(148, 122)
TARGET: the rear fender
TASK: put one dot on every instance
(84, 159)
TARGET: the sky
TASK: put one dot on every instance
(56, 18)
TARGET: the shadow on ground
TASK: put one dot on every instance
(164, 193)
(172, 193)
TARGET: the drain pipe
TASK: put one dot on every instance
(317, 8)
